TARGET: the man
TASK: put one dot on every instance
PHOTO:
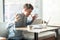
(21, 21)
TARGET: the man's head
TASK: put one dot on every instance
(28, 9)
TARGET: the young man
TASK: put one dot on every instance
(20, 21)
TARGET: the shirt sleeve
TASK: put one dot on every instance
(11, 29)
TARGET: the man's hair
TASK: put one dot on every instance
(28, 6)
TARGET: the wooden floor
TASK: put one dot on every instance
(58, 38)
(52, 38)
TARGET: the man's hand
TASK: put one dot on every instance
(17, 18)
(34, 17)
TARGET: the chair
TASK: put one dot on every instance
(3, 29)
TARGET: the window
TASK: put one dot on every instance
(15, 6)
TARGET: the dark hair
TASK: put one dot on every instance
(28, 6)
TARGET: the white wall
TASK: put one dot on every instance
(51, 10)
(1, 10)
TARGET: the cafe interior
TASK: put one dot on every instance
(45, 27)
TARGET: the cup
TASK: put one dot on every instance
(29, 27)
(44, 25)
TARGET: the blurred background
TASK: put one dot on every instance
(16, 6)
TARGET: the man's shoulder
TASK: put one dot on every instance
(19, 14)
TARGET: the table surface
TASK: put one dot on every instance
(37, 30)
(2, 38)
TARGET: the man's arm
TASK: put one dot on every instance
(11, 30)
(31, 21)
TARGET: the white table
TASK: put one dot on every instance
(36, 31)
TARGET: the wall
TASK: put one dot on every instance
(51, 11)
(1, 10)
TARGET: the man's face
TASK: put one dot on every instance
(28, 11)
